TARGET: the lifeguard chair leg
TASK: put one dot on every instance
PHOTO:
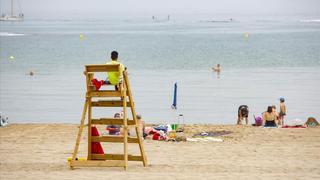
(76, 148)
(134, 115)
(125, 127)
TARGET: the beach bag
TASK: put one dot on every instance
(258, 120)
(156, 136)
(113, 130)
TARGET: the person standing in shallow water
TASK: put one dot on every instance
(282, 112)
(217, 69)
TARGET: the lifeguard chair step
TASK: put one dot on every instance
(98, 163)
(114, 139)
(110, 103)
(105, 93)
(112, 121)
(116, 157)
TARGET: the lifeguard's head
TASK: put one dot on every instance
(114, 55)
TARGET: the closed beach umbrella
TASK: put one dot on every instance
(174, 104)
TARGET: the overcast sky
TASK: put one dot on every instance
(146, 7)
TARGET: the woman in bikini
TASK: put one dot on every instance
(269, 118)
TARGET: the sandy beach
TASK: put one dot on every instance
(40, 151)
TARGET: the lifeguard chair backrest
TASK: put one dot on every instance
(102, 68)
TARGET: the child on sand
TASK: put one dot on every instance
(243, 113)
(282, 112)
(114, 129)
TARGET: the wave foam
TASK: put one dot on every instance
(10, 34)
(310, 20)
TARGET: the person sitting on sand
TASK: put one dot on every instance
(282, 112)
(217, 68)
(114, 129)
(243, 113)
(311, 122)
(269, 118)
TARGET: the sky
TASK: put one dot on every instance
(36, 8)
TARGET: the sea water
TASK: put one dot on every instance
(262, 60)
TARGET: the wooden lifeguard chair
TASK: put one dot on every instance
(106, 98)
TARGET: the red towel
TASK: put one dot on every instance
(297, 126)
(97, 83)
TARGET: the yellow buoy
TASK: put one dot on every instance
(246, 35)
(11, 57)
(81, 36)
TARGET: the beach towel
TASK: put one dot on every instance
(270, 126)
(97, 84)
(163, 128)
(295, 122)
(298, 126)
(149, 130)
(204, 139)
(212, 134)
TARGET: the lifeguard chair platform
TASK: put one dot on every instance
(122, 97)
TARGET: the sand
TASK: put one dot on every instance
(40, 151)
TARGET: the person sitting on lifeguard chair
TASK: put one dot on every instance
(114, 78)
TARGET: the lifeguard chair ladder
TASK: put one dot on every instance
(125, 100)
